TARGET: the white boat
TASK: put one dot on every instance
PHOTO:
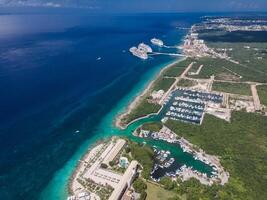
(157, 42)
(145, 48)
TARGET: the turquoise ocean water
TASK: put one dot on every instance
(52, 84)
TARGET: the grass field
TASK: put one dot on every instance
(262, 92)
(222, 68)
(163, 84)
(177, 69)
(235, 88)
(194, 67)
(155, 192)
(211, 67)
(242, 148)
(186, 83)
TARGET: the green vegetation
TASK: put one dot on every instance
(213, 66)
(168, 183)
(194, 67)
(246, 49)
(235, 88)
(152, 126)
(103, 192)
(155, 192)
(163, 84)
(139, 185)
(186, 83)
(242, 148)
(143, 196)
(262, 92)
(194, 190)
(144, 155)
(219, 35)
(226, 70)
(177, 69)
(241, 144)
(112, 163)
(142, 109)
(255, 57)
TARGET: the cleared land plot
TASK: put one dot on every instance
(155, 192)
(194, 68)
(242, 148)
(235, 88)
(221, 69)
(262, 92)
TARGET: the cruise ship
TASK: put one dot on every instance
(139, 53)
(145, 48)
(157, 42)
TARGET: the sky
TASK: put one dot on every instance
(148, 5)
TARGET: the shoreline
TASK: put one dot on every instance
(79, 166)
(138, 98)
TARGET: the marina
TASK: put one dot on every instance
(188, 105)
(165, 165)
(168, 163)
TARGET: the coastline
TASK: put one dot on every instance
(79, 165)
(199, 154)
(56, 188)
(138, 98)
(59, 185)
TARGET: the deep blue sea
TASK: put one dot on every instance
(52, 84)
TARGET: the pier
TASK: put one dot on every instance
(167, 54)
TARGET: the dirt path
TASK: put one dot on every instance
(256, 98)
